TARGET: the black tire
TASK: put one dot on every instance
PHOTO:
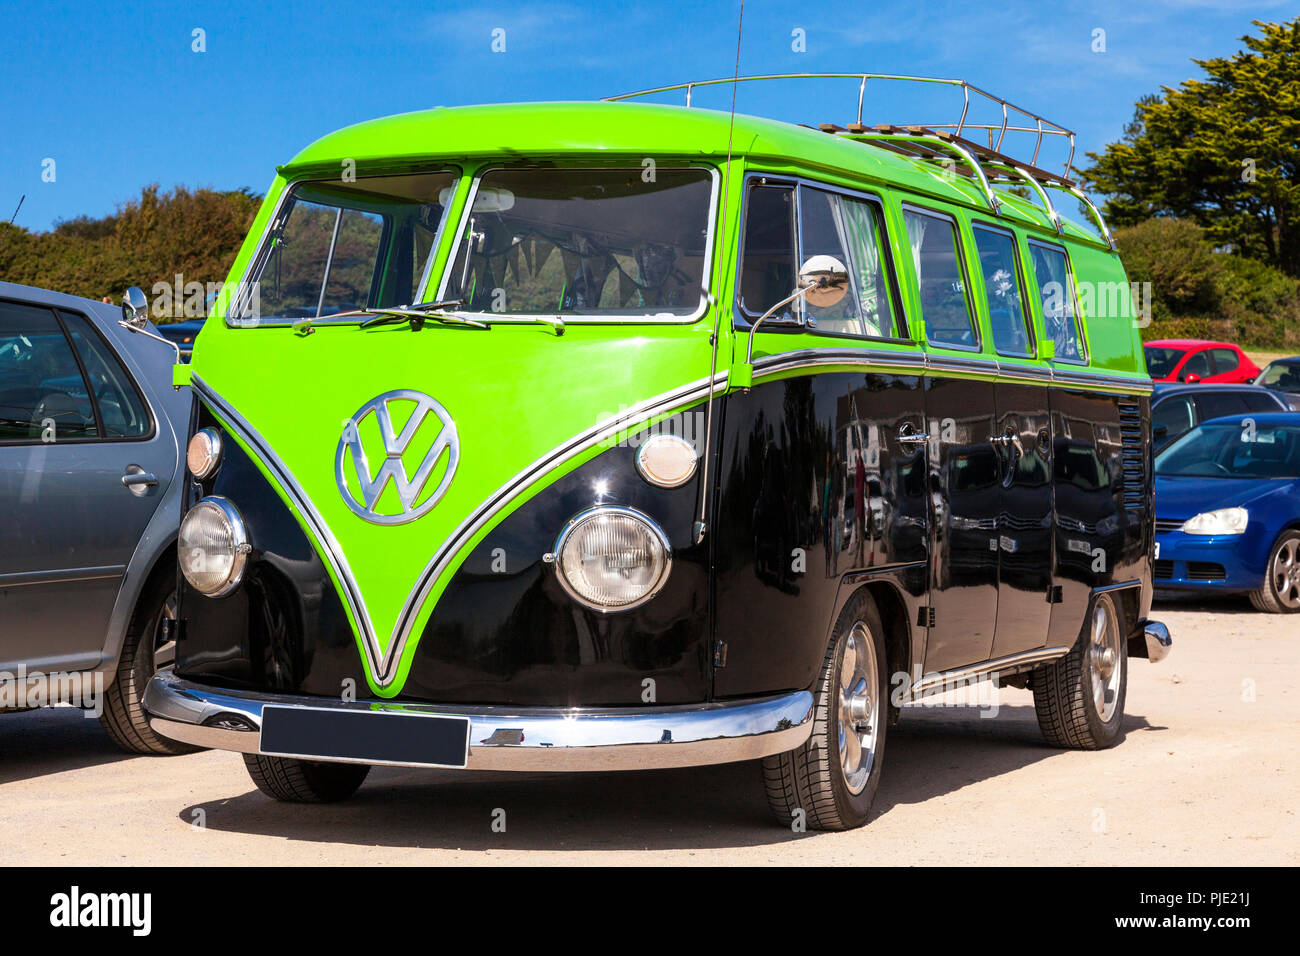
(124, 716)
(1280, 591)
(305, 781)
(812, 778)
(1065, 696)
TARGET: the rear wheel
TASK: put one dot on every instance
(1079, 698)
(145, 650)
(305, 781)
(1280, 592)
(832, 779)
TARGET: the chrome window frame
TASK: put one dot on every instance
(959, 250)
(742, 318)
(531, 318)
(238, 300)
(1080, 329)
(1026, 315)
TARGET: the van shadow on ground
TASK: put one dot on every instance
(929, 754)
(49, 740)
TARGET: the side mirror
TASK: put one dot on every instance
(823, 281)
(135, 308)
(1192, 378)
(135, 318)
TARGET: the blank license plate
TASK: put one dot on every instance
(370, 736)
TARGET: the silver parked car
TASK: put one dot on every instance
(91, 476)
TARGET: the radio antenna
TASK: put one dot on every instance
(701, 526)
(14, 216)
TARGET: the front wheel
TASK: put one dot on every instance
(830, 782)
(1280, 592)
(1079, 698)
(305, 781)
(146, 649)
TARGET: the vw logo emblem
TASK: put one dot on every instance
(429, 427)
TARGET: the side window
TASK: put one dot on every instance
(120, 406)
(852, 231)
(1260, 402)
(1198, 364)
(944, 308)
(1056, 291)
(43, 397)
(1219, 404)
(767, 270)
(1171, 418)
(1001, 271)
(1225, 360)
(323, 261)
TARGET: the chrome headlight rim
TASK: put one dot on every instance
(212, 454)
(670, 440)
(577, 521)
(239, 538)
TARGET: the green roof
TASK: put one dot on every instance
(629, 130)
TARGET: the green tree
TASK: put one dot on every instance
(193, 233)
(1222, 151)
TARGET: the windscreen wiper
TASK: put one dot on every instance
(415, 315)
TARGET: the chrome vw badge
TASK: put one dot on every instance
(429, 428)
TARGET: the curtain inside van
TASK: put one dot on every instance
(864, 253)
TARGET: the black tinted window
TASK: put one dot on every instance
(1218, 404)
(120, 407)
(43, 397)
(998, 263)
(767, 270)
(942, 284)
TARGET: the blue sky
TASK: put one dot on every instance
(117, 98)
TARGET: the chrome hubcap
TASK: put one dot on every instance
(1286, 573)
(858, 693)
(1104, 660)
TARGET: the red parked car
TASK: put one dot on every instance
(1196, 360)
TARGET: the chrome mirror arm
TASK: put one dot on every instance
(152, 335)
(749, 349)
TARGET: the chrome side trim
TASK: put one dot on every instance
(62, 576)
(1158, 641)
(333, 551)
(383, 663)
(502, 738)
(933, 683)
(922, 363)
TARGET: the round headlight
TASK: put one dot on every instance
(612, 558)
(213, 546)
(204, 452)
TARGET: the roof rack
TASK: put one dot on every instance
(948, 143)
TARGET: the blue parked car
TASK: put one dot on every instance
(1228, 510)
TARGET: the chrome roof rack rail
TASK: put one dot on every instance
(937, 144)
(928, 142)
(1007, 172)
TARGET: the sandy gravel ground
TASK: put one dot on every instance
(1207, 773)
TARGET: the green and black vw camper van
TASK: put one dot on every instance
(623, 435)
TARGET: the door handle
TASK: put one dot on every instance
(138, 481)
(1010, 438)
(908, 435)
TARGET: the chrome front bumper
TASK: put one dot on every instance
(1158, 640)
(530, 739)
